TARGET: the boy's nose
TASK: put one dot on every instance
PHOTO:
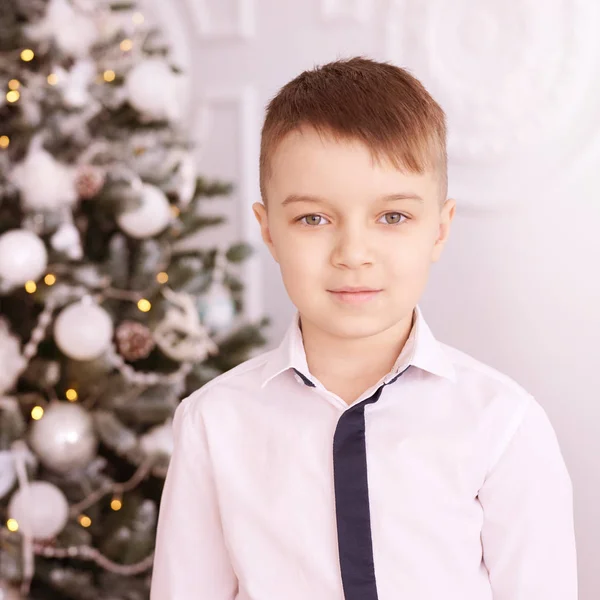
(352, 249)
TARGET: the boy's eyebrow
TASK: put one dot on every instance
(315, 199)
(407, 196)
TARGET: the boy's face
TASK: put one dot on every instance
(330, 226)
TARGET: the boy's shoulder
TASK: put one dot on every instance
(240, 381)
(469, 367)
(484, 385)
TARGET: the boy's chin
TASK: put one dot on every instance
(350, 324)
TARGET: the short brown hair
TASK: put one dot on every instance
(358, 98)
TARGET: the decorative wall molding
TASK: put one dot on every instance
(243, 104)
(240, 25)
(510, 80)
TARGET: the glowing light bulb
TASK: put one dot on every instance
(144, 305)
(85, 521)
(37, 412)
(12, 525)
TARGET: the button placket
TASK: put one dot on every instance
(353, 514)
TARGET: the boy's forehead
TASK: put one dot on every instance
(308, 163)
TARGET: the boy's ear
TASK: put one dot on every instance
(446, 216)
(260, 212)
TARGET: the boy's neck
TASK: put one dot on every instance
(348, 367)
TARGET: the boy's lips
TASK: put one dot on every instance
(350, 289)
(354, 295)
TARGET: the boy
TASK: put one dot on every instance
(361, 459)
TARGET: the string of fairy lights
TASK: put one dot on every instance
(87, 552)
(71, 394)
(13, 95)
(143, 305)
(48, 283)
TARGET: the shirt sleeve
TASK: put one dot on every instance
(528, 533)
(191, 559)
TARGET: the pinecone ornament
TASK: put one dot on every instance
(89, 181)
(134, 340)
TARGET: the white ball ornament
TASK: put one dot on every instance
(64, 438)
(154, 90)
(45, 184)
(23, 256)
(150, 218)
(73, 31)
(83, 331)
(41, 510)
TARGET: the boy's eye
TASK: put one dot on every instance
(311, 219)
(393, 218)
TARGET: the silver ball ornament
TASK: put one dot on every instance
(64, 438)
(23, 256)
(83, 331)
(149, 218)
(153, 89)
(41, 510)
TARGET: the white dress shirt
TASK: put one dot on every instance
(443, 481)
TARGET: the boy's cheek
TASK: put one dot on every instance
(301, 272)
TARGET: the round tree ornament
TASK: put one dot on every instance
(23, 257)
(83, 330)
(40, 509)
(64, 438)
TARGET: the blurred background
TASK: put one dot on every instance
(131, 268)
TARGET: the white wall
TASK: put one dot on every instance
(518, 286)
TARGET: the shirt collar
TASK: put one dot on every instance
(421, 350)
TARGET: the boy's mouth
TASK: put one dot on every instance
(354, 295)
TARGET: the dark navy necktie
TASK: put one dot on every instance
(352, 500)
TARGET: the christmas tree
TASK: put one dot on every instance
(110, 312)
